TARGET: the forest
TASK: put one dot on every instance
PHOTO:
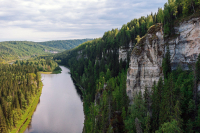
(19, 87)
(172, 105)
(42, 63)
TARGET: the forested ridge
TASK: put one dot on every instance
(19, 85)
(12, 50)
(64, 44)
(171, 106)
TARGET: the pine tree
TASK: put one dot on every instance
(177, 114)
(156, 104)
(167, 103)
(147, 124)
(198, 118)
(167, 64)
(147, 99)
(160, 15)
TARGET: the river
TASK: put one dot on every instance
(60, 109)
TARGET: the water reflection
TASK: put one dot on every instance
(61, 108)
(78, 90)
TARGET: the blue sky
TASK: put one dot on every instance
(43, 20)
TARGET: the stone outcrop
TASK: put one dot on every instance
(185, 46)
(146, 59)
(146, 62)
(124, 51)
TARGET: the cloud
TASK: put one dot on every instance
(37, 20)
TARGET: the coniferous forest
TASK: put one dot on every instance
(19, 86)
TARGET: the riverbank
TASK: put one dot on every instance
(56, 71)
(45, 72)
(26, 117)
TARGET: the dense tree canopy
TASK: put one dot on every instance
(42, 63)
(18, 86)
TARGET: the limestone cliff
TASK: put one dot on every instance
(185, 47)
(146, 61)
(123, 51)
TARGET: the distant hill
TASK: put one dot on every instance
(64, 44)
(12, 50)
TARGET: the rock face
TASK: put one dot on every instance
(146, 62)
(123, 52)
(185, 47)
(146, 59)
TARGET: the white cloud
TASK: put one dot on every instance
(42, 20)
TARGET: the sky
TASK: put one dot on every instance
(45, 20)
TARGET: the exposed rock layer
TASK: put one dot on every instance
(124, 51)
(185, 48)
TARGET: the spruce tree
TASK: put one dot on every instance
(166, 64)
(147, 124)
(156, 104)
(177, 114)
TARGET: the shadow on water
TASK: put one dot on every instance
(78, 89)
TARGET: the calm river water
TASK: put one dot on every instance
(60, 109)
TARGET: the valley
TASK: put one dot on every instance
(142, 77)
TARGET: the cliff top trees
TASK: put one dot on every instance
(160, 16)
